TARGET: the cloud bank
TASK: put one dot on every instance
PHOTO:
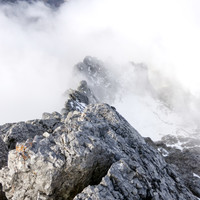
(39, 47)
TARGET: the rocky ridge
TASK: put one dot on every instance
(87, 153)
(90, 151)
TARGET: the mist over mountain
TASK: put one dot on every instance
(40, 46)
(90, 151)
(136, 59)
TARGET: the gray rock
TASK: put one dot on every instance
(102, 81)
(51, 3)
(79, 99)
(3, 154)
(3, 163)
(187, 160)
(12, 133)
(54, 115)
(84, 89)
(21, 131)
(95, 154)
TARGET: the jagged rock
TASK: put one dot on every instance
(188, 162)
(54, 115)
(95, 149)
(3, 163)
(83, 88)
(3, 154)
(94, 70)
(20, 132)
(79, 99)
(100, 80)
(184, 153)
(12, 133)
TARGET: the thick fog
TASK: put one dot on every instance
(39, 47)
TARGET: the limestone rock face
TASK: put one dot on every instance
(12, 133)
(94, 154)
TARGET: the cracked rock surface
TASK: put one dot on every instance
(186, 158)
(12, 133)
(94, 154)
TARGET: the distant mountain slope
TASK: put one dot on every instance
(148, 107)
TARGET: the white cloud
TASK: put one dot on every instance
(38, 46)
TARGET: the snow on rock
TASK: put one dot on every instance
(195, 175)
(186, 160)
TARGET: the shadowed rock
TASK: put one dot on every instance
(185, 156)
(21, 131)
(3, 163)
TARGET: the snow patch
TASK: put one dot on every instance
(80, 106)
(163, 151)
(178, 145)
(195, 175)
